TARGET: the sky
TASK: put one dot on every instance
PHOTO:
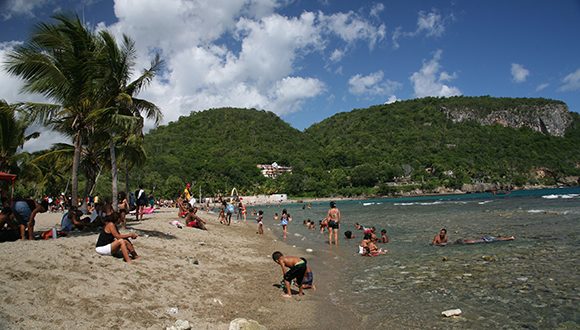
(306, 60)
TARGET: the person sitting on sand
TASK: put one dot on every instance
(311, 225)
(123, 208)
(71, 220)
(193, 221)
(441, 238)
(384, 237)
(485, 239)
(348, 234)
(222, 217)
(297, 271)
(110, 241)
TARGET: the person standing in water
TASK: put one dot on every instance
(333, 217)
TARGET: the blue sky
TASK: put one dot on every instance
(307, 60)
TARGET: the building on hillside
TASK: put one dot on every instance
(272, 171)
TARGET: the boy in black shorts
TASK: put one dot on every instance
(297, 270)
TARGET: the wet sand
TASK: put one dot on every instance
(64, 284)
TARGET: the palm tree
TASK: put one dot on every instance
(122, 110)
(59, 62)
(12, 135)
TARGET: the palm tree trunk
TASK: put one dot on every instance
(127, 177)
(113, 172)
(75, 170)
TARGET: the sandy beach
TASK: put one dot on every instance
(210, 277)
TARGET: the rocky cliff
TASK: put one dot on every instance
(551, 118)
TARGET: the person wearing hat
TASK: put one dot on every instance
(333, 218)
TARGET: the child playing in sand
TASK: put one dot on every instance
(110, 241)
(222, 217)
(260, 224)
(297, 271)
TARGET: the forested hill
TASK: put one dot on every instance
(424, 143)
(416, 138)
(220, 148)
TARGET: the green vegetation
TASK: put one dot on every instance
(362, 152)
(86, 77)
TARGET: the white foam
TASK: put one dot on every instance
(367, 204)
(484, 202)
(536, 211)
(564, 196)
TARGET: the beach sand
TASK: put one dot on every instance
(64, 284)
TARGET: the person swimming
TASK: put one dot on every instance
(485, 239)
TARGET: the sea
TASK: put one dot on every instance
(532, 282)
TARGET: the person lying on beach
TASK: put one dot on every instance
(193, 221)
(348, 234)
(110, 241)
(485, 239)
(441, 238)
(297, 271)
(384, 237)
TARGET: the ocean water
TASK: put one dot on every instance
(532, 282)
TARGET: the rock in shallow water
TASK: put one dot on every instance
(244, 324)
(451, 312)
(180, 325)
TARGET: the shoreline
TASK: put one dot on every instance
(212, 277)
(422, 194)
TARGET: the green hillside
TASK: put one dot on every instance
(363, 151)
(220, 148)
(376, 144)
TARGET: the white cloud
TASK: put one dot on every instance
(427, 81)
(392, 99)
(372, 84)
(350, 27)
(571, 82)
(541, 87)
(431, 24)
(11, 8)
(519, 73)
(337, 55)
(376, 9)
(204, 72)
(238, 53)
